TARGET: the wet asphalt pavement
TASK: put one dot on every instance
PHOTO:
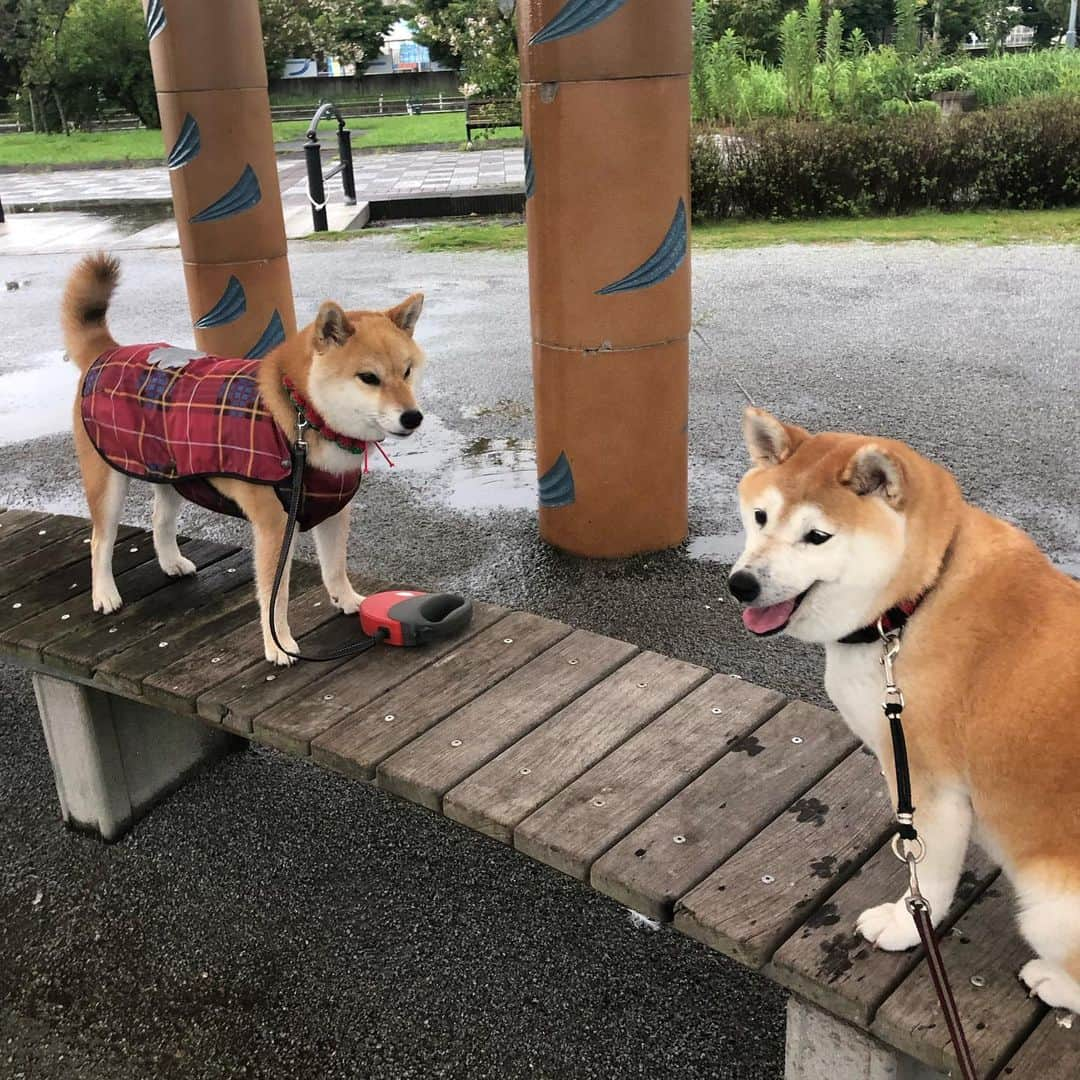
(272, 920)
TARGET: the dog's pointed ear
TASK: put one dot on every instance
(872, 470)
(332, 326)
(768, 440)
(405, 314)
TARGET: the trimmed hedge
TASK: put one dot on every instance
(1024, 156)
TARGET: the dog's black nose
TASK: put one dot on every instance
(744, 586)
(412, 419)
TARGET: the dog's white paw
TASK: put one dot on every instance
(889, 927)
(279, 658)
(348, 602)
(1051, 984)
(107, 600)
(178, 566)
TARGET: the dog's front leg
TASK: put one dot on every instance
(943, 818)
(268, 520)
(331, 542)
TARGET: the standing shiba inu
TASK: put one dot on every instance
(843, 529)
(219, 431)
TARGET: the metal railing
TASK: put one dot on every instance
(313, 158)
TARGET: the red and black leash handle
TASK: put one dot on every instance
(909, 848)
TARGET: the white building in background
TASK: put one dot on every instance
(400, 53)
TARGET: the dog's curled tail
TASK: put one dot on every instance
(85, 306)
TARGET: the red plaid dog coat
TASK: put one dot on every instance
(173, 416)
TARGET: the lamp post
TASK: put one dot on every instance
(1070, 37)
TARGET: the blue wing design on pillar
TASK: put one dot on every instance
(272, 337)
(530, 171)
(187, 146)
(155, 19)
(557, 484)
(659, 266)
(229, 308)
(243, 195)
(576, 16)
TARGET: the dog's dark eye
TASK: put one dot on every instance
(369, 377)
(760, 517)
(816, 536)
(408, 372)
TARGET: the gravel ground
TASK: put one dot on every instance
(275, 921)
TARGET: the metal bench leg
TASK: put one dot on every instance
(113, 758)
(820, 1047)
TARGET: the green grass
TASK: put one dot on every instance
(142, 145)
(997, 227)
(990, 227)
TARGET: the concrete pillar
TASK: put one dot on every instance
(820, 1047)
(606, 104)
(113, 758)
(210, 75)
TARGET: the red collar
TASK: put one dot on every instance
(893, 619)
(315, 419)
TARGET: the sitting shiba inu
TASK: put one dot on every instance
(843, 530)
(219, 431)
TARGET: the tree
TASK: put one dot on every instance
(349, 30)
(29, 32)
(103, 60)
(755, 22)
(479, 37)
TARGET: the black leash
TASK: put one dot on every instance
(299, 463)
(910, 849)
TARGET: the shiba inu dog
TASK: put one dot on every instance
(845, 529)
(219, 431)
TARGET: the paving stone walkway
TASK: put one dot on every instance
(376, 175)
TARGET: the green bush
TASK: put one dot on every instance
(942, 80)
(1024, 156)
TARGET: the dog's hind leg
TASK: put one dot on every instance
(166, 504)
(944, 821)
(105, 491)
(1050, 921)
(331, 540)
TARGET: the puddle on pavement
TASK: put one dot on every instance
(716, 547)
(37, 400)
(482, 474)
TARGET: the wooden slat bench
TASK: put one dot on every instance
(484, 113)
(756, 825)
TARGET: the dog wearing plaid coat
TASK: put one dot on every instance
(219, 432)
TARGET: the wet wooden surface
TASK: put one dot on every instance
(756, 824)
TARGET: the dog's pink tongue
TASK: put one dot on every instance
(760, 620)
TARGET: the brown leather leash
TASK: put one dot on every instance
(910, 849)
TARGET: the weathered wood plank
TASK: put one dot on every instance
(998, 1014)
(234, 608)
(1051, 1052)
(298, 709)
(16, 520)
(30, 638)
(425, 769)
(46, 590)
(759, 896)
(25, 555)
(828, 963)
(537, 767)
(359, 743)
(207, 664)
(578, 825)
(690, 836)
(141, 622)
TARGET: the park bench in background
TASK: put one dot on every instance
(483, 113)
(755, 824)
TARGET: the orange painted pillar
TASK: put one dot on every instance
(606, 89)
(210, 75)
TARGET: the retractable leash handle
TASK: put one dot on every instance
(910, 849)
(401, 617)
